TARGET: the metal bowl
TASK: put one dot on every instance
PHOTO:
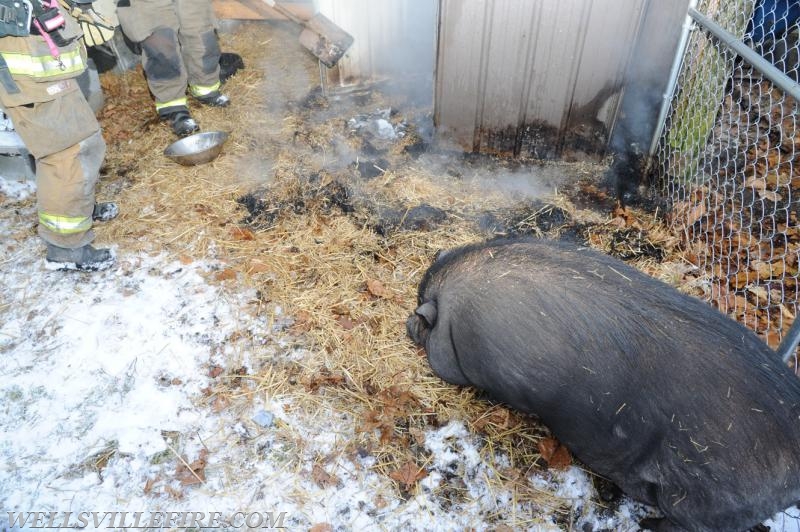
(199, 148)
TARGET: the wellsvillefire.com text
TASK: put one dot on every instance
(145, 520)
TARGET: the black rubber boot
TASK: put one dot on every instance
(84, 259)
(181, 122)
(105, 211)
(214, 99)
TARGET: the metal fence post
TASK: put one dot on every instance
(677, 63)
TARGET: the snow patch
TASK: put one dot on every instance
(17, 189)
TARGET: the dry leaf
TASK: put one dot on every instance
(756, 183)
(769, 195)
(512, 474)
(256, 266)
(395, 403)
(195, 473)
(761, 268)
(408, 475)
(556, 455)
(772, 338)
(622, 217)
(324, 378)
(499, 417)
(697, 212)
(618, 222)
(418, 435)
(346, 323)
(380, 502)
(760, 292)
(174, 492)
(740, 280)
(374, 419)
(377, 289)
(322, 478)
(148, 485)
(340, 309)
(321, 527)
(739, 302)
(242, 233)
(768, 270)
(239, 372)
(302, 322)
(225, 275)
(219, 404)
(185, 259)
(215, 371)
(202, 209)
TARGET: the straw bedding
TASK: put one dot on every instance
(286, 214)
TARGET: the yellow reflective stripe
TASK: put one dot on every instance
(45, 65)
(65, 225)
(202, 90)
(173, 103)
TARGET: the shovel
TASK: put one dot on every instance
(327, 41)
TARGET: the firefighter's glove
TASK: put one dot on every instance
(69, 5)
(97, 29)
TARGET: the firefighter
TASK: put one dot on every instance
(41, 55)
(179, 48)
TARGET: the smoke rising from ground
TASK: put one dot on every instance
(395, 42)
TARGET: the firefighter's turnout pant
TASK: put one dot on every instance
(179, 47)
(58, 126)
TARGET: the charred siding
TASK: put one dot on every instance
(537, 78)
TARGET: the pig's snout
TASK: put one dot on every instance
(419, 324)
(412, 328)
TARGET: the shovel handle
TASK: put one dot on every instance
(283, 11)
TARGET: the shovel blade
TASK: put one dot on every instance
(327, 41)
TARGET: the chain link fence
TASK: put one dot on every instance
(727, 158)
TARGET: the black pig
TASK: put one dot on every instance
(682, 407)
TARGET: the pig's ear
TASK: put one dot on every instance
(427, 311)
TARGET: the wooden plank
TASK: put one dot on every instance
(259, 10)
(233, 10)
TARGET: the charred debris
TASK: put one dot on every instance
(374, 144)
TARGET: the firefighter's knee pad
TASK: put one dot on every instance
(162, 54)
(211, 51)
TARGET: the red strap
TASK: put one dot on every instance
(54, 51)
